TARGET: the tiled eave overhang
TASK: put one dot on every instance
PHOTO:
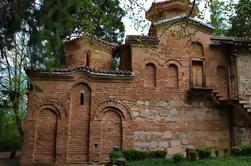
(218, 41)
(68, 73)
(94, 40)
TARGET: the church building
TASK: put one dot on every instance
(178, 87)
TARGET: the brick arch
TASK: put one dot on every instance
(152, 61)
(46, 124)
(81, 80)
(173, 76)
(193, 51)
(150, 74)
(53, 105)
(117, 106)
(173, 61)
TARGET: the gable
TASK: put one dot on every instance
(195, 23)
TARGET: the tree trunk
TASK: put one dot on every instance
(17, 118)
(18, 123)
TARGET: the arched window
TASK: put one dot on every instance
(173, 77)
(195, 50)
(150, 75)
(82, 98)
(88, 54)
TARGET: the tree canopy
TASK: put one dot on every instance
(241, 21)
(49, 22)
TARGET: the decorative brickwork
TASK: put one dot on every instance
(177, 94)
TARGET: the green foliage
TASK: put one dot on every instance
(221, 161)
(48, 23)
(134, 155)
(204, 153)
(157, 154)
(192, 155)
(9, 136)
(178, 158)
(241, 150)
(115, 154)
(241, 22)
(217, 152)
(8, 143)
(217, 19)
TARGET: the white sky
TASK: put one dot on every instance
(129, 24)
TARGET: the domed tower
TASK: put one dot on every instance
(169, 11)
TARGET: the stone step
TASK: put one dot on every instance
(247, 105)
(222, 98)
(249, 110)
(218, 95)
(243, 101)
(215, 91)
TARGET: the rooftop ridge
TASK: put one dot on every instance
(94, 39)
(79, 69)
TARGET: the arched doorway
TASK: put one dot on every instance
(46, 132)
(111, 133)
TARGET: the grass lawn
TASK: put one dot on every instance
(221, 161)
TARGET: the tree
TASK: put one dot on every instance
(217, 18)
(241, 21)
(48, 23)
(13, 82)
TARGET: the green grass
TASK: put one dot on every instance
(221, 161)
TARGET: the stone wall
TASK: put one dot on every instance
(244, 74)
(176, 125)
(242, 129)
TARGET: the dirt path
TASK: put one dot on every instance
(5, 161)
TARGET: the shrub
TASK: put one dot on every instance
(157, 154)
(133, 155)
(216, 153)
(178, 157)
(115, 154)
(226, 151)
(204, 153)
(193, 155)
(9, 143)
(241, 150)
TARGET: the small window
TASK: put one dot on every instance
(88, 58)
(82, 99)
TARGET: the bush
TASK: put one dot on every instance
(204, 153)
(217, 153)
(192, 155)
(9, 143)
(226, 151)
(157, 154)
(133, 155)
(241, 150)
(115, 154)
(178, 157)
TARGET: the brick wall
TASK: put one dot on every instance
(150, 111)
